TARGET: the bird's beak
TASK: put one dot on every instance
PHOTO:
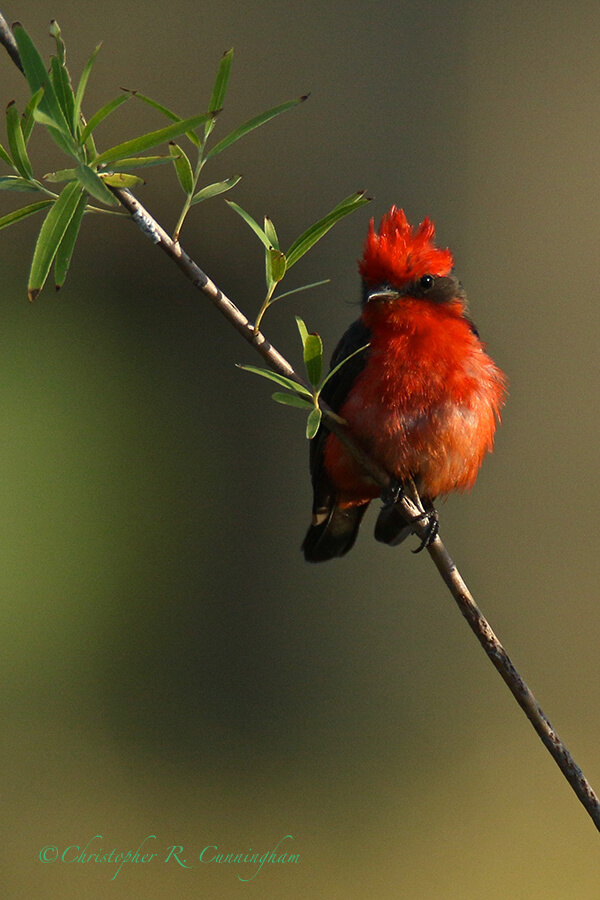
(384, 295)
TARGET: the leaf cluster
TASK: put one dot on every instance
(278, 263)
(297, 394)
(56, 104)
(93, 176)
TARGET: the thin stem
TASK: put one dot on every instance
(266, 304)
(188, 200)
(410, 508)
(181, 219)
(518, 687)
(184, 211)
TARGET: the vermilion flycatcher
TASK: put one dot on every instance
(422, 399)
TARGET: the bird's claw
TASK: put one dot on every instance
(431, 529)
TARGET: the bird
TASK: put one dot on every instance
(416, 388)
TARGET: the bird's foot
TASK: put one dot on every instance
(431, 528)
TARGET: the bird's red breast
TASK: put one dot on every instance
(425, 404)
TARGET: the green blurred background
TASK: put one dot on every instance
(170, 666)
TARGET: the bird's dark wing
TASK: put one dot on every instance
(338, 387)
(333, 530)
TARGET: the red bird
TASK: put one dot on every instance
(422, 399)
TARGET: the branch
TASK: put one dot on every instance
(410, 508)
(7, 39)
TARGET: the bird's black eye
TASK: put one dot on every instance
(426, 282)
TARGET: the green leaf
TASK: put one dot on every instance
(271, 233)
(94, 185)
(183, 168)
(37, 77)
(154, 104)
(28, 119)
(60, 46)
(62, 138)
(271, 285)
(251, 222)
(65, 143)
(152, 139)
(220, 89)
(60, 175)
(121, 179)
(5, 157)
(64, 91)
(16, 183)
(304, 287)
(288, 383)
(89, 143)
(102, 114)
(292, 400)
(212, 190)
(166, 112)
(62, 260)
(138, 162)
(313, 358)
(222, 80)
(83, 84)
(313, 234)
(44, 119)
(24, 212)
(352, 199)
(16, 141)
(276, 265)
(51, 234)
(251, 124)
(312, 425)
(302, 329)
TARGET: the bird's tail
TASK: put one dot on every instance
(333, 532)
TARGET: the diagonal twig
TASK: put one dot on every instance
(440, 556)
(7, 39)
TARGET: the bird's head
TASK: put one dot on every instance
(400, 260)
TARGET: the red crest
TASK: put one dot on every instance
(398, 253)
